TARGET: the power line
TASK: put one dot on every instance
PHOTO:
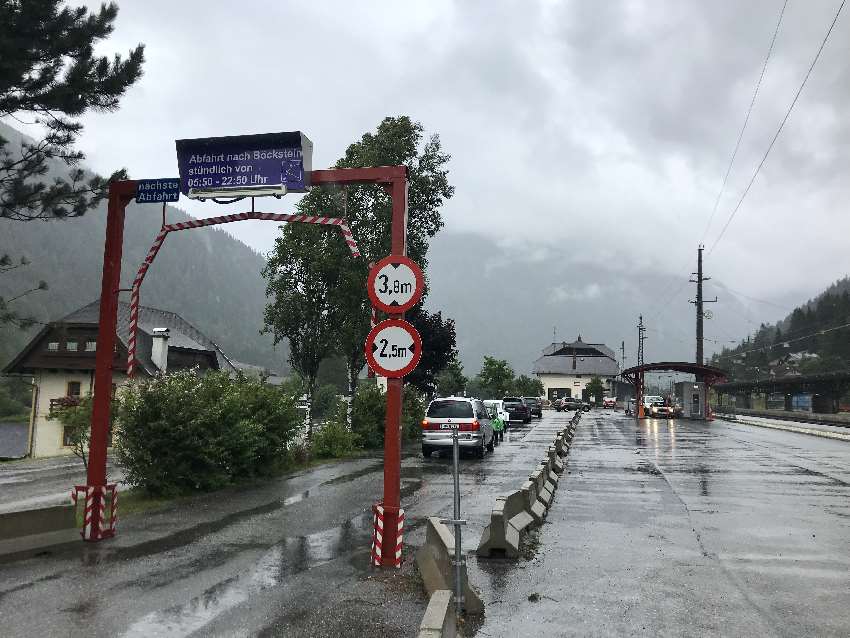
(778, 130)
(786, 341)
(738, 293)
(746, 121)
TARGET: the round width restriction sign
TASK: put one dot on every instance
(393, 348)
(395, 284)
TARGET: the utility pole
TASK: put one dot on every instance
(698, 302)
(623, 351)
(639, 376)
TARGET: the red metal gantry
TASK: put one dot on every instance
(393, 178)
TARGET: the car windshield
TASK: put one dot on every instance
(449, 409)
(535, 401)
(512, 402)
(657, 404)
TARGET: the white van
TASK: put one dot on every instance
(497, 408)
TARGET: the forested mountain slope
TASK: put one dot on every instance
(815, 337)
(205, 275)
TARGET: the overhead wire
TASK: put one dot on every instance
(779, 129)
(746, 121)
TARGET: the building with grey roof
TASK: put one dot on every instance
(61, 361)
(566, 368)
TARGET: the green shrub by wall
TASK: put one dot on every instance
(184, 432)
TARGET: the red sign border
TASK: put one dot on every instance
(417, 294)
(390, 323)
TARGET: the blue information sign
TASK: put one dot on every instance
(248, 164)
(153, 191)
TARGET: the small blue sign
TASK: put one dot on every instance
(213, 166)
(153, 191)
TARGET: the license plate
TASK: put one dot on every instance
(447, 426)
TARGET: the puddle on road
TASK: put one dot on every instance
(275, 567)
(346, 478)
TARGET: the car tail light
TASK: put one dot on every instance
(470, 427)
(427, 425)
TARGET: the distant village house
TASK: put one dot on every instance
(61, 361)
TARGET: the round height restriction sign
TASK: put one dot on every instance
(395, 284)
(393, 348)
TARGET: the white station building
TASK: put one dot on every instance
(567, 368)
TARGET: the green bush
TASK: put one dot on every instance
(334, 440)
(413, 411)
(369, 411)
(324, 401)
(184, 432)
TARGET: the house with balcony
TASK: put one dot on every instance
(567, 368)
(61, 361)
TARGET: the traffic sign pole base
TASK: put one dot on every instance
(99, 523)
(387, 536)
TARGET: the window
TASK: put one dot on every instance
(71, 346)
(73, 389)
(447, 409)
(53, 346)
(68, 435)
(91, 346)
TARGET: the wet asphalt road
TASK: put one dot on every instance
(660, 529)
(686, 529)
(33, 483)
(287, 558)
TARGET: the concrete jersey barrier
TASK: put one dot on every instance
(508, 521)
(36, 529)
(434, 561)
(439, 619)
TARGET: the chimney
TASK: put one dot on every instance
(159, 350)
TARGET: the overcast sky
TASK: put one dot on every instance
(602, 126)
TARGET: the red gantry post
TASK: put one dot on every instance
(120, 193)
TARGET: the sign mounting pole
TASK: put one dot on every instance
(392, 436)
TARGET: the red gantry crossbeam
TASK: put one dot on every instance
(135, 291)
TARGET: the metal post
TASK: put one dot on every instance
(457, 522)
(120, 194)
(392, 432)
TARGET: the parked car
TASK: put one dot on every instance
(496, 407)
(659, 410)
(648, 400)
(609, 402)
(517, 410)
(535, 407)
(569, 403)
(469, 416)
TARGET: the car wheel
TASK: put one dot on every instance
(492, 445)
(426, 451)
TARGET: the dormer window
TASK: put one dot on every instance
(53, 346)
(91, 346)
(71, 346)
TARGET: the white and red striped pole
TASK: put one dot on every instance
(135, 292)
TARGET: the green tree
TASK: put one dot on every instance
(438, 347)
(368, 208)
(496, 377)
(596, 389)
(49, 72)
(8, 314)
(76, 418)
(525, 386)
(451, 381)
(301, 283)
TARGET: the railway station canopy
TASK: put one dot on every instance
(709, 374)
